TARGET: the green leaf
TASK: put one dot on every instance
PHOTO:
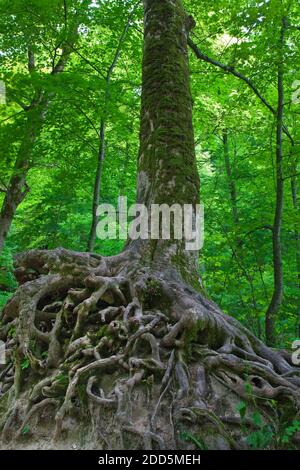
(242, 409)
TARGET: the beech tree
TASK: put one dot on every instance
(130, 346)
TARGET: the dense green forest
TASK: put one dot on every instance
(235, 139)
(71, 74)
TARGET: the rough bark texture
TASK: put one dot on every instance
(167, 164)
(167, 171)
(122, 352)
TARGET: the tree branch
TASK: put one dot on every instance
(10, 94)
(10, 117)
(65, 13)
(121, 40)
(290, 176)
(31, 60)
(67, 48)
(230, 69)
(3, 189)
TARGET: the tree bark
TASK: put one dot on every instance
(231, 182)
(140, 350)
(17, 188)
(276, 300)
(167, 171)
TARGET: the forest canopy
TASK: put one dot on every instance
(235, 138)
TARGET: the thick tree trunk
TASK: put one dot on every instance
(167, 148)
(167, 171)
(276, 300)
(36, 114)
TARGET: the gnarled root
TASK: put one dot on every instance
(136, 357)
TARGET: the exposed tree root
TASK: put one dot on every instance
(134, 357)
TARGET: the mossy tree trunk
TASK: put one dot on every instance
(167, 171)
(167, 148)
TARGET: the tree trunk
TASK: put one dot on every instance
(97, 187)
(294, 190)
(17, 187)
(167, 171)
(167, 148)
(276, 300)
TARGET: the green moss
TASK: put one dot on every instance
(11, 332)
(153, 296)
(101, 333)
(196, 439)
(189, 275)
(167, 101)
(63, 379)
(190, 338)
(81, 390)
(4, 404)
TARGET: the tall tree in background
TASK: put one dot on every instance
(102, 135)
(35, 111)
(280, 12)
